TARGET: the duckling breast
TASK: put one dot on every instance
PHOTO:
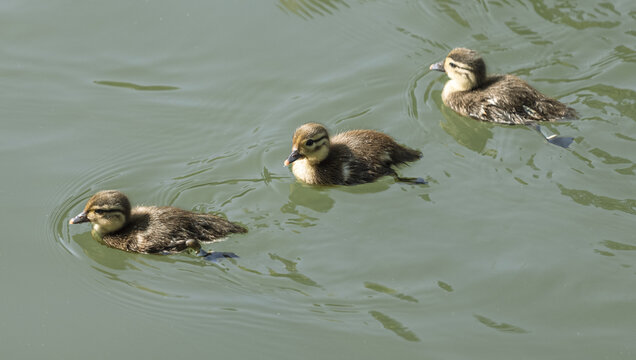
(303, 171)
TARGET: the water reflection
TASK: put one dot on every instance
(615, 160)
(306, 9)
(503, 327)
(292, 272)
(447, 7)
(340, 308)
(469, 133)
(587, 198)
(102, 254)
(624, 137)
(311, 197)
(620, 54)
(614, 245)
(302, 220)
(576, 16)
(526, 32)
(386, 290)
(395, 326)
(623, 99)
(445, 286)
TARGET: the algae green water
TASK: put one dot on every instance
(517, 249)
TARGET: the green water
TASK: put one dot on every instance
(517, 249)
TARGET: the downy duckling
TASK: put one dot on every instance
(503, 99)
(348, 158)
(152, 229)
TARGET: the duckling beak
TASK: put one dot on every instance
(295, 155)
(438, 66)
(82, 217)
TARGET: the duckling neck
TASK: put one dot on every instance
(101, 230)
(453, 86)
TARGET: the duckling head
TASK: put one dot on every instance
(107, 211)
(465, 68)
(311, 142)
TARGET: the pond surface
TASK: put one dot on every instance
(517, 249)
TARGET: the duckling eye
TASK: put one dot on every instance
(309, 142)
(100, 211)
(452, 65)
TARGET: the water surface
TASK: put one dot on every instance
(515, 249)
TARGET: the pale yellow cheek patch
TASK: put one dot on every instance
(105, 225)
(318, 154)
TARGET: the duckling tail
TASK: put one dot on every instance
(403, 154)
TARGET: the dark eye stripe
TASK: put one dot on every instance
(455, 66)
(320, 138)
(103, 211)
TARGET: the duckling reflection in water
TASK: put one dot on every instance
(348, 158)
(503, 99)
(152, 229)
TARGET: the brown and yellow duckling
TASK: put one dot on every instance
(348, 158)
(152, 229)
(503, 99)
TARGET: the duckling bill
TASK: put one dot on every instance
(503, 99)
(348, 158)
(152, 229)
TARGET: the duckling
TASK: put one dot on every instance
(503, 99)
(348, 158)
(152, 229)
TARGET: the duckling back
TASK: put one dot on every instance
(506, 99)
(362, 156)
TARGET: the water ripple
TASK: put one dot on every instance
(503, 327)
(395, 326)
(576, 16)
(133, 86)
(307, 9)
(386, 290)
(587, 198)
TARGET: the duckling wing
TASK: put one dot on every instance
(510, 100)
(366, 155)
(171, 228)
(210, 227)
